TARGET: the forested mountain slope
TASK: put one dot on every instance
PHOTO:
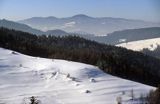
(115, 60)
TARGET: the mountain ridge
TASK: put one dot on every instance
(88, 24)
(130, 35)
(113, 38)
(18, 26)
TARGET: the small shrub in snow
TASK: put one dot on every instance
(68, 75)
(87, 91)
(53, 73)
(92, 80)
(14, 53)
(33, 100)
(77, 84)
(73, 78)
(132, 94)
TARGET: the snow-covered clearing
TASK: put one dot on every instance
(139, 45)
(54, 81)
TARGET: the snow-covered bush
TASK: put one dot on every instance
(92, 80)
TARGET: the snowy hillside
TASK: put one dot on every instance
(151, 44)
(55, 81)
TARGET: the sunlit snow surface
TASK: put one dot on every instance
(139, 45)
(23, 76)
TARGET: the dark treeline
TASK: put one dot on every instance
(154, 53)
(114, 60)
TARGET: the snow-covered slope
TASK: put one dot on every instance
(151, 44)
(55, 81)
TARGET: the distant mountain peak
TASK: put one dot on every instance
(4, 20)
(81, 16)
(57, 30)
(49, 17)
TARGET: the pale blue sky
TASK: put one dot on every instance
(148, 10)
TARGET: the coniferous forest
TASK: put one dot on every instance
(154, 53)
(114, 60)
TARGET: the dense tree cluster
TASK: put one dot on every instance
(154, 53)
(114, 60)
